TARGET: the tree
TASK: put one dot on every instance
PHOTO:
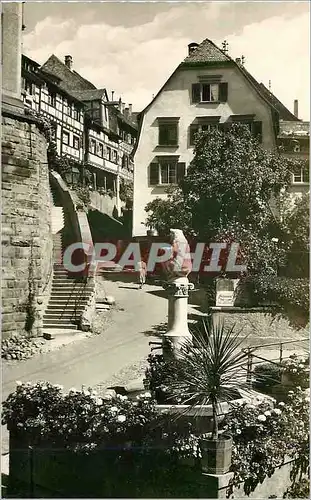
(170, 213)
(297, 237)
(230, 193)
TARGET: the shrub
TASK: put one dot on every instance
(264, 436)
(297, 371)
(20, 347)
(266, 376)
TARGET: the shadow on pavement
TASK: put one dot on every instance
(156, 330)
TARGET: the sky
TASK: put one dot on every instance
(132, 48)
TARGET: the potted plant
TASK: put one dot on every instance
(210, 371)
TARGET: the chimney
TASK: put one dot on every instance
(126, 112)
(68, 62)
(130, 110)
(191, 47)
(112, 93)
(120, 105)
(238, 60)
(296, 108)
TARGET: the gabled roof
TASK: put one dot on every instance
(208, 54)
(284, 113)
(207, 51)
(89, 95)
(70, 80)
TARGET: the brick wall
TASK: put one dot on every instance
(26, 225)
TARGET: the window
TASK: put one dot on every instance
(65, 138)
(76, 113)
(100, 150)
(76, 142)
(29, 87)
(52, 99)
(115, 157)
(301, 176)
(69, 109)
(197, 128)
(166, 172)
(209, 92)
(109, 153)
(93, 146)
(168, 134)
(125, 161)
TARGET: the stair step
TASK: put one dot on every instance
(53, 321)
(56, 317)
(59, 310)
(60, 326)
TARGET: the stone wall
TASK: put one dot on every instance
(26, 225)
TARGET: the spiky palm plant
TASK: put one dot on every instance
(210, 369)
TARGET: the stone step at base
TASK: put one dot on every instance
(67, 310)
(62, 322)
(59, 326)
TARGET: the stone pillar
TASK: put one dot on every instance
(178, 331)
(118, 193)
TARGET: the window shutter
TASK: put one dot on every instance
(196, 92)
(181, 171)
(154, 174)
(223, 92)
(257, 130)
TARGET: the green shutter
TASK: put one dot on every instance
(196, 92)
(257, 130)
(181, 171)
(223, 92)
(154, 174)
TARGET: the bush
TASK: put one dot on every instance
(266, 376)
(264, 435)
(300, 490)
(20, 347)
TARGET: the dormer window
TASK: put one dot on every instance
(209, 92)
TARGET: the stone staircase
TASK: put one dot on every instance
(69, 295)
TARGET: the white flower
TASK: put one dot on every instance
(18, 383)
(250, 406)
(261, 418)
(86, 393)
(300, 366)
(57, 386)
(113, 409)
(276, 411)
(99, 401)
(73, 389)
(121, 418)
(307, 399)
(122, 398)
(107, 397)
(267, 413)
(147, 395)
(44, 387)
(94, 393)
(238, 431)
(281, 403)
(294, 370)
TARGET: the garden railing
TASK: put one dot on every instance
(251, 357)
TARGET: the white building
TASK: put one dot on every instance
(208, 89)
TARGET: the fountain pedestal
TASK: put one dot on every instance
(178, 331)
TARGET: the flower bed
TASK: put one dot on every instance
(265, 436)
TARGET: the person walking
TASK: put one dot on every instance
(142, 268)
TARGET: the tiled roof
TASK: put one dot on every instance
(70, 80)
(284, 113)
(89, 95)
(207, 51)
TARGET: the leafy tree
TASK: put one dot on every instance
(231, 193)
(169, 213)
(297, 237)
